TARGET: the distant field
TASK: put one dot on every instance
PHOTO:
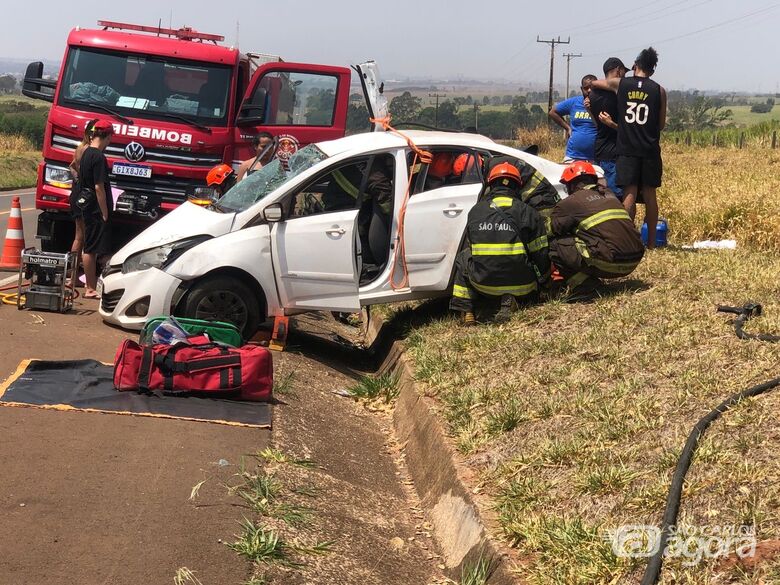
(744, 117)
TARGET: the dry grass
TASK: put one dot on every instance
(717, 193)
(573, 415)
(18, 162)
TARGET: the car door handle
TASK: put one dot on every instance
(336, 231)
(452, 210)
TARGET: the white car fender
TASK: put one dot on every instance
(248, 250)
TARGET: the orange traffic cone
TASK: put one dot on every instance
(14, 239)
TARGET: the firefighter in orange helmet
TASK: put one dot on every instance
(592, 234)
(506, 257)
(222, 177)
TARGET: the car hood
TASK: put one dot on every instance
(186, 221)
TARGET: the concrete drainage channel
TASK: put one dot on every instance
(461, 526)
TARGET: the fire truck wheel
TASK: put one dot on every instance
(224, 298)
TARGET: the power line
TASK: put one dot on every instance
(694, 32)
(601, 21)
(552, 43)
(634, 22)
(569, 57)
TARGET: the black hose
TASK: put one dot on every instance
(745, 312)
(653, 571)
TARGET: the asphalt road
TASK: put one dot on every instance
(29, 213)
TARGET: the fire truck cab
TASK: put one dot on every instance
(180, 103)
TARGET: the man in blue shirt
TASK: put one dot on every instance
(580, 129)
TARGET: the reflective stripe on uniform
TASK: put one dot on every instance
(503, 201)
(517, 290)
(613, 267)
(345, 185)
(497, 249)
(601, 217)
(576, 279)
(537, 244)
(462, 292)
(533, 183)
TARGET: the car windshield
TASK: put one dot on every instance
(269, 178)
(147, 86)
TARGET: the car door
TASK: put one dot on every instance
(314, 249)
(435, 221)
(373, 91)
(297, 103)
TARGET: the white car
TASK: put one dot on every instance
(310, 238)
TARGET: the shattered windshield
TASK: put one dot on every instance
(269, 178)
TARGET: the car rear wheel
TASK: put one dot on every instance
(224, 298)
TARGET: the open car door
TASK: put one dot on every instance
(373, 90)
(297, 103)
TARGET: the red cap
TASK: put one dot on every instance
(103, 126)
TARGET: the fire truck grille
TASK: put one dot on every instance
(169, 190)
(153, 155)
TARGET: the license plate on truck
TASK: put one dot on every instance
(127, 170)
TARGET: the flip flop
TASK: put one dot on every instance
(90, 295)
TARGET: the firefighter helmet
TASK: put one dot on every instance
(465, 163)
(441, 166)
(576, 169)
(504, 171)
(219, 174)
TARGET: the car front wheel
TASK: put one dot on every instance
(224, 298)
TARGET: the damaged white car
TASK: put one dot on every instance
(320, 235)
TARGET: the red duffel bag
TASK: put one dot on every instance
(197, 368)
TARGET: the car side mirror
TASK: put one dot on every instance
(273, 213)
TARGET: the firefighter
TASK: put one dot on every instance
(507, 254)
(222, 177)
(536, 190)
(592, 235)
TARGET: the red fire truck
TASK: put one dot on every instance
(180, 103)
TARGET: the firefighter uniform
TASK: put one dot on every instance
(536, 191)
(592, 235)
(507, 254)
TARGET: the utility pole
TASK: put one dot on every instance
(436, 115)
(569, 57)
(552, 43)
(476, 116)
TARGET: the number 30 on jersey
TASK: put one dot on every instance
(637, 113)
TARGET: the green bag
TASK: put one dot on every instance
(218, 331)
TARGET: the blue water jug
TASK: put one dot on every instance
(660, 233)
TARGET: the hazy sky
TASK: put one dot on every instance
(707, 44)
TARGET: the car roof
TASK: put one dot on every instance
(372, 141)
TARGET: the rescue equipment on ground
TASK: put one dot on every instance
(661, 233)
(745, 312)
(46, 281)
(197, 367)
(14, 238)
(217, 331)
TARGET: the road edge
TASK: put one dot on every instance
(463, 526)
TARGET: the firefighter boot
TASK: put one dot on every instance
(508, 305)
(468, 319)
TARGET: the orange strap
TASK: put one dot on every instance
(399, 256)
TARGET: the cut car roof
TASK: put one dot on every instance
(380, 140)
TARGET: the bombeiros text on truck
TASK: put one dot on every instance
(180, 103)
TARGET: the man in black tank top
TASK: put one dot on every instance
(641, 104)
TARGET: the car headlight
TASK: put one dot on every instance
(160, 256)
(58, 176)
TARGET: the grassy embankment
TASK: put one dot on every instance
(21, 132)
(573, 415)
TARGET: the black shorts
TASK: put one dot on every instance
(639, 170)
(97, 235)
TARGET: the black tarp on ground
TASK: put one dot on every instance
(87, 385)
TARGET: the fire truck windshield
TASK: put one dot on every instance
(146, 86)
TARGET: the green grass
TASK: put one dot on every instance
(384, 386)
(744, 117)
(582, 409)
(477, 572)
